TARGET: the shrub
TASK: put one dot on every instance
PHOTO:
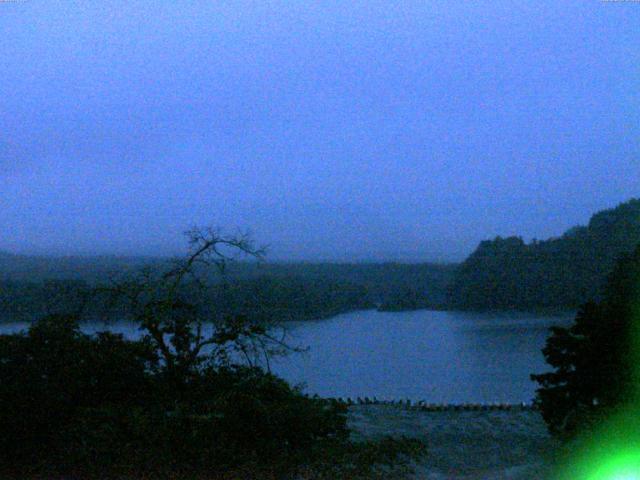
(101, 406)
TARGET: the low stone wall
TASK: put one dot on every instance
(436, 407)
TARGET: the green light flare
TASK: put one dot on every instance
(618, 467)
(612, 452)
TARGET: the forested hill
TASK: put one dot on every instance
(31, 286)
(507, 273)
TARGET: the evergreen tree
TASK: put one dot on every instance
(595, 360)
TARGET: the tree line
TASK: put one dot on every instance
(285, 291)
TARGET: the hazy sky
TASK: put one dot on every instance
(333, 130)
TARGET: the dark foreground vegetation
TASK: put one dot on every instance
(178, 403)
(102, 406)
(595, 362)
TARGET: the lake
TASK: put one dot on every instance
(439, 357)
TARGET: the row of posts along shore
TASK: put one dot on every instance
(436, 407)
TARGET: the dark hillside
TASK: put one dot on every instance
(507, 273)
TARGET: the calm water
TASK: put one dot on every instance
(422, 355)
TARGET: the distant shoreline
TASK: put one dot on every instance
(4, 319)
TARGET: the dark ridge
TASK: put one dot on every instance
(558, 273)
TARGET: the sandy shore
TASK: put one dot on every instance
(478, 445)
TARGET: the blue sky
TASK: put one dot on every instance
(332, 130)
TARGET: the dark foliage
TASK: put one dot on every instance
(86, 405)
(560, 273)
(53, 373)
(80, 406)
(595, 360)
